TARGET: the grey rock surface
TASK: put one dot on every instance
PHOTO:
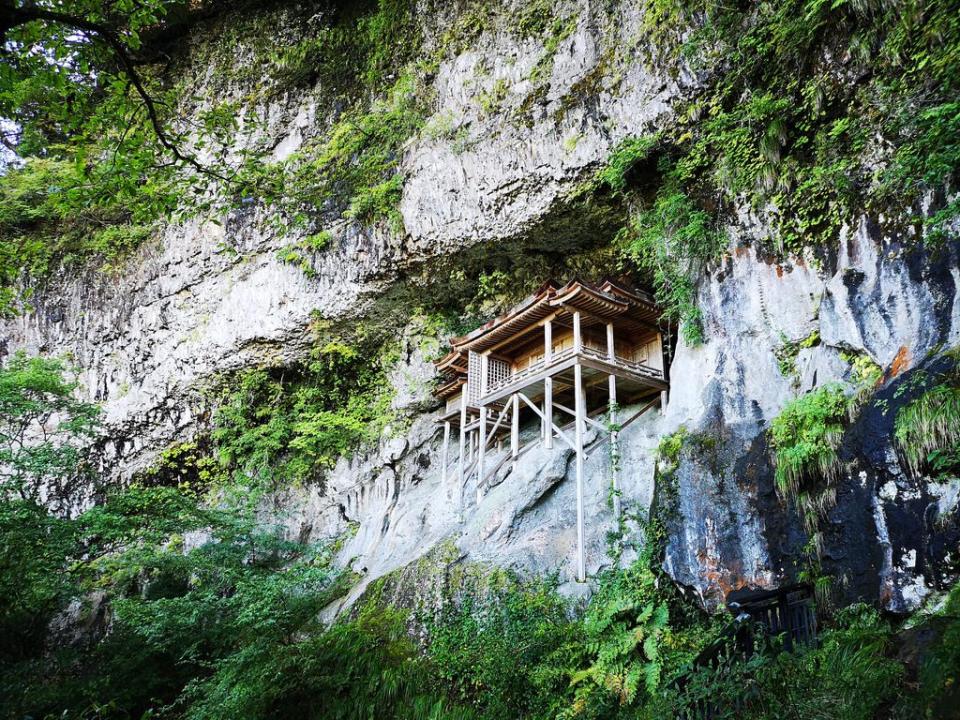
(206, 299)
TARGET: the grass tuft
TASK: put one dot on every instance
(928, 429)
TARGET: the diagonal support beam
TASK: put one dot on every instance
(496, 425)
(560, 433)
(600, 426)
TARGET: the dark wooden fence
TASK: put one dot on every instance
(787, 612)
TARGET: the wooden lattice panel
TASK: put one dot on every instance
(473, 379)
(498, 372)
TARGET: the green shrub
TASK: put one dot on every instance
(34, 546)
(504, 647)
(627, 626)
(638, 633)
(847, 676)
(939, 691)
(227, 628)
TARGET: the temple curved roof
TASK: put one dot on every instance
(605, 301)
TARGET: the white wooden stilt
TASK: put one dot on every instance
(515, 429)
(543, 422)
(577, 336)
(481, 452)
(462, 458)
(614, 446)
(445, 454)
(579, 424)
(547, 386)
(548, 412)
(482, 434)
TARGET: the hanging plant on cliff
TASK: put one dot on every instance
(673, 241)
(807, 113)
(927, 429)
(670, 238)
(804, 438)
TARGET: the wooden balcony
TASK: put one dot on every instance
(560, 363)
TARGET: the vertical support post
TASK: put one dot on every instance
(543, 423)
(547, 387)
(471, 442)
(611, 350)
(614, 446)
(463, 450)
(548, 413)
(461, 460)
(482, 439)
(577, 336)
(662, 359)
(579, 423)
(481, 451)
(445, 453)
(515, 429)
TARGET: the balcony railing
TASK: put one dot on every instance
(519, 376)
(639, 368)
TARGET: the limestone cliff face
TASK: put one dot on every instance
(896, 307)
(204, 299)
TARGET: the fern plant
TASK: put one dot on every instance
(624, 628)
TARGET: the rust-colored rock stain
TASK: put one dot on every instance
(900, 363)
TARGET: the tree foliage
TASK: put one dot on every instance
(43, 428)
(76, 66)
(97, 150)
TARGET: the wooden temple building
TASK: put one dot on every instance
(579, 350)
